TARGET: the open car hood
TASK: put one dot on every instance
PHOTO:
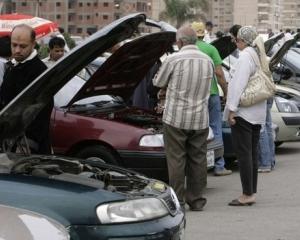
(164, 26)
(276, 58)
(224, 45)
(122, 71)
(269, 44)
(24, 108)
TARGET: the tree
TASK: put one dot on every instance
(180, 11)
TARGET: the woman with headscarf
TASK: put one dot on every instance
(246, 122)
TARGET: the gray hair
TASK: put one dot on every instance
(187, 35)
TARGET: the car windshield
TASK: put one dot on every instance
(64, 96)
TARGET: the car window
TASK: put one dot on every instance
(64, 96)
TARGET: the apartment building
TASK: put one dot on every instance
(221, 14)
(157, 6)
(81, 16)
(291, 15)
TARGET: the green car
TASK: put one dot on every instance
(90, 199)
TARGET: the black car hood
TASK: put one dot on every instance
(24, 108)
(276, 58)
(122, 71)
(164, 26)
(272, 41)
(224, 45)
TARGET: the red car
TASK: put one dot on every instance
(91, 118)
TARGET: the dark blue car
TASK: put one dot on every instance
(92, 200)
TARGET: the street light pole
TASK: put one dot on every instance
(37, 8)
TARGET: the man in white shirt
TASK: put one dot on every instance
(209, 35)
(56, 51)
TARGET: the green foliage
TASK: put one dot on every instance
(43, 51)
(70, 42)
(180, 11)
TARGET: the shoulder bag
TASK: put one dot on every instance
(259, 88)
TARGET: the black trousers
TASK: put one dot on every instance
(245, 138)
(186, 157)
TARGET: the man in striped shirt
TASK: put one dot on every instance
(186, 76)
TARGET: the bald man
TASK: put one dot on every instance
(186, 75)
(24, 67)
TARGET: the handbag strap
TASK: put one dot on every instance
(254, 57)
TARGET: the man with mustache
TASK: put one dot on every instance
(24, 67)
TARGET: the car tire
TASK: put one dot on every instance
(277, 144)
(98, 151)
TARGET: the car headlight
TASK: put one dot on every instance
(131, 211)
(285, 105)
(155, 140)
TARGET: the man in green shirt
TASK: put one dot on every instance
(214, 105)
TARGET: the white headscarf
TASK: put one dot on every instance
(249, 35)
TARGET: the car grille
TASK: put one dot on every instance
(170, 203)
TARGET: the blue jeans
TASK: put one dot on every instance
(215, 122)
(266, 148)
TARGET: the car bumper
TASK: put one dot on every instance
(166, 228)
(154, 164)
(289, 127)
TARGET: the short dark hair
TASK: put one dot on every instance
(234, 29)
(209, 24)
(56, 41)
(32, 32)
(5, 49)
(61, 30)
(219, 34)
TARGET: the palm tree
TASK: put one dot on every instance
(180, 11)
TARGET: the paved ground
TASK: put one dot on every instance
(275, 216)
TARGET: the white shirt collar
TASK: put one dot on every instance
(31, 56)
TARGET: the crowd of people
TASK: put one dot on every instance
(187, 82)
(189, 79)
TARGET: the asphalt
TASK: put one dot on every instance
(275, 216)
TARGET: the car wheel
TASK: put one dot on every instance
(98, 151)
(277, 144)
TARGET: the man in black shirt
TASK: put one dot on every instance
(24, 67)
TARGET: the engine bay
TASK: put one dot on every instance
(89, 173)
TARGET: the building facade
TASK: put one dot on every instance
(221, 14)
(291, 15)
(268, 14)
(80, 16)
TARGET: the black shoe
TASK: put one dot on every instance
(197, 205)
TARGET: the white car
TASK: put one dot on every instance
(17, 223)
(285, 111)
(286, 114)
